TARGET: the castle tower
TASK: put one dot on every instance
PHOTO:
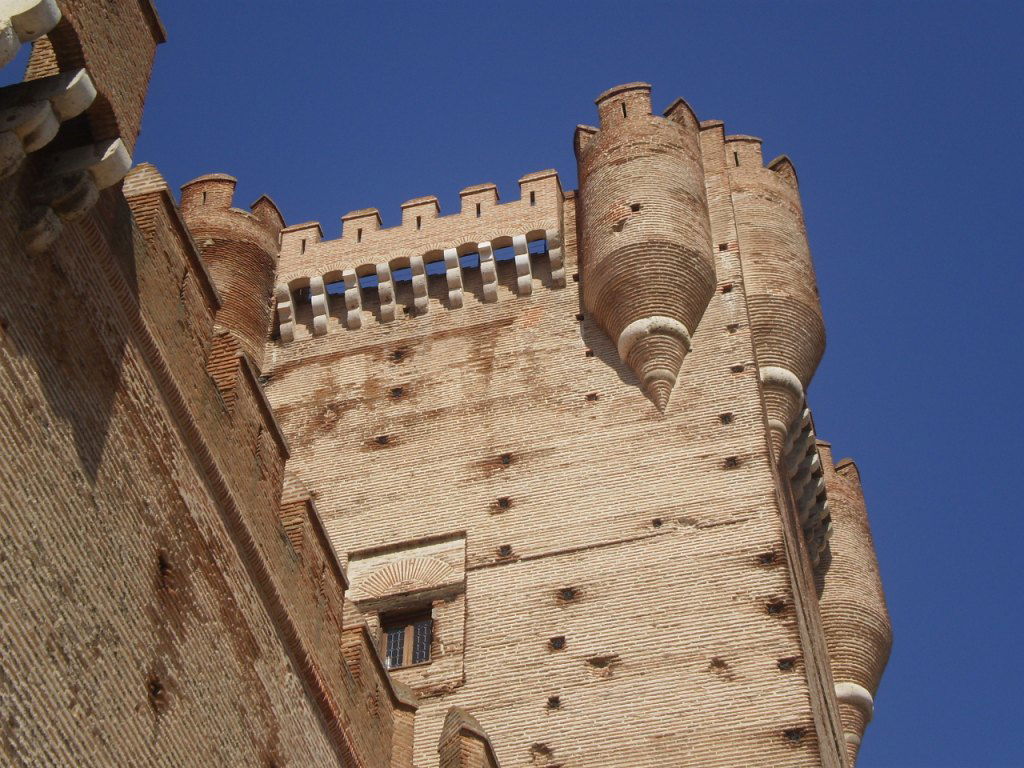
(240, 250)
(853, 612)
(646, 258)
(782, 294)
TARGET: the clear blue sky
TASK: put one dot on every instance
(904, 121)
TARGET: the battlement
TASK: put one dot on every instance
(372, 270)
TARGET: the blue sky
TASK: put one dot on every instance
(904, 121)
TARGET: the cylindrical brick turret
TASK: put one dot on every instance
(647, 267)
(778, 278)
(852, 604)
(240, 250)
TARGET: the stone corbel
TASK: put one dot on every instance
(386, 292)
(353, 299)
(68, 187)
(419, 284)
(285, 313)
(453, 274)
(556, 257)
(31, 113)
(321, 308)
(488, 272)
(524, 272)
(22, 21)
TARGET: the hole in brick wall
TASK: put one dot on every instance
(589, 353)
(568, 594)
(575, 277)
(736, 157)
(786, 665)
(419, 222)
(657, 522)
(265, 379)
(533, 198)
(478, 210)
(617, 226)
(156, 693)
(776, 607)
(382, 439)
(165, 575)
(397, 392)
(737, 369)
(505, 550)
(731, 462)
(579, 317)
(557, 643)
(505, 458)
(554, 702)
(592, 397)
(359, 235)
(718, 663)
(725, 418)
(541, 750)
(727, 288)
(794, 734)
(204, 198)
(767, 558)
(623, 105)
(399, 355)
(504, 502)
(732, 327)
(634, 207)
(720, 667)
(723, 246)
(302, 246)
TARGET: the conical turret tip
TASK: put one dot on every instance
(659, 390)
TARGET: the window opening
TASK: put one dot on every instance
(303, 246)
(204, 198)
(359, 234)
(623, 105)
(407, 639)
(736, 157)
(533, 198)
(419, 222)
(478, 210)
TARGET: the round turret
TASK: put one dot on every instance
(240, 250)
(854, 617)
(647, 267)
(778, 277)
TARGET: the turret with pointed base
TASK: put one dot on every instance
(647, 266)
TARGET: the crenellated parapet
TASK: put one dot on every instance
(646, 261)
(370, 271)
(854, 615)
(240, 250)
(62, 97)
(778, 273)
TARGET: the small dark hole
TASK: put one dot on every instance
(634, 207)
(737, 369)
(727, 288)
(589, 353)
(399, 355)
(592, 397)
(726, 418)
(787, 664)
(397, 392)
(568, 594)
(505, 550)
(554, 702)
(164, 571)
(504, 502)
(718, 663)
(557, 643)
(776, 607)
(656, 522)
(766, 558)
(575, 277)
(506, 458)
(731, 462)
(723, 246)
(156, 693)
(579, 317)
(382, 439)
(732, 327)
(793, 734)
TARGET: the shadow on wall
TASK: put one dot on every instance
(78, 366)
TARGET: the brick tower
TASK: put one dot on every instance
(532, 483)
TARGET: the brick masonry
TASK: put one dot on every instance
(492, 415)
